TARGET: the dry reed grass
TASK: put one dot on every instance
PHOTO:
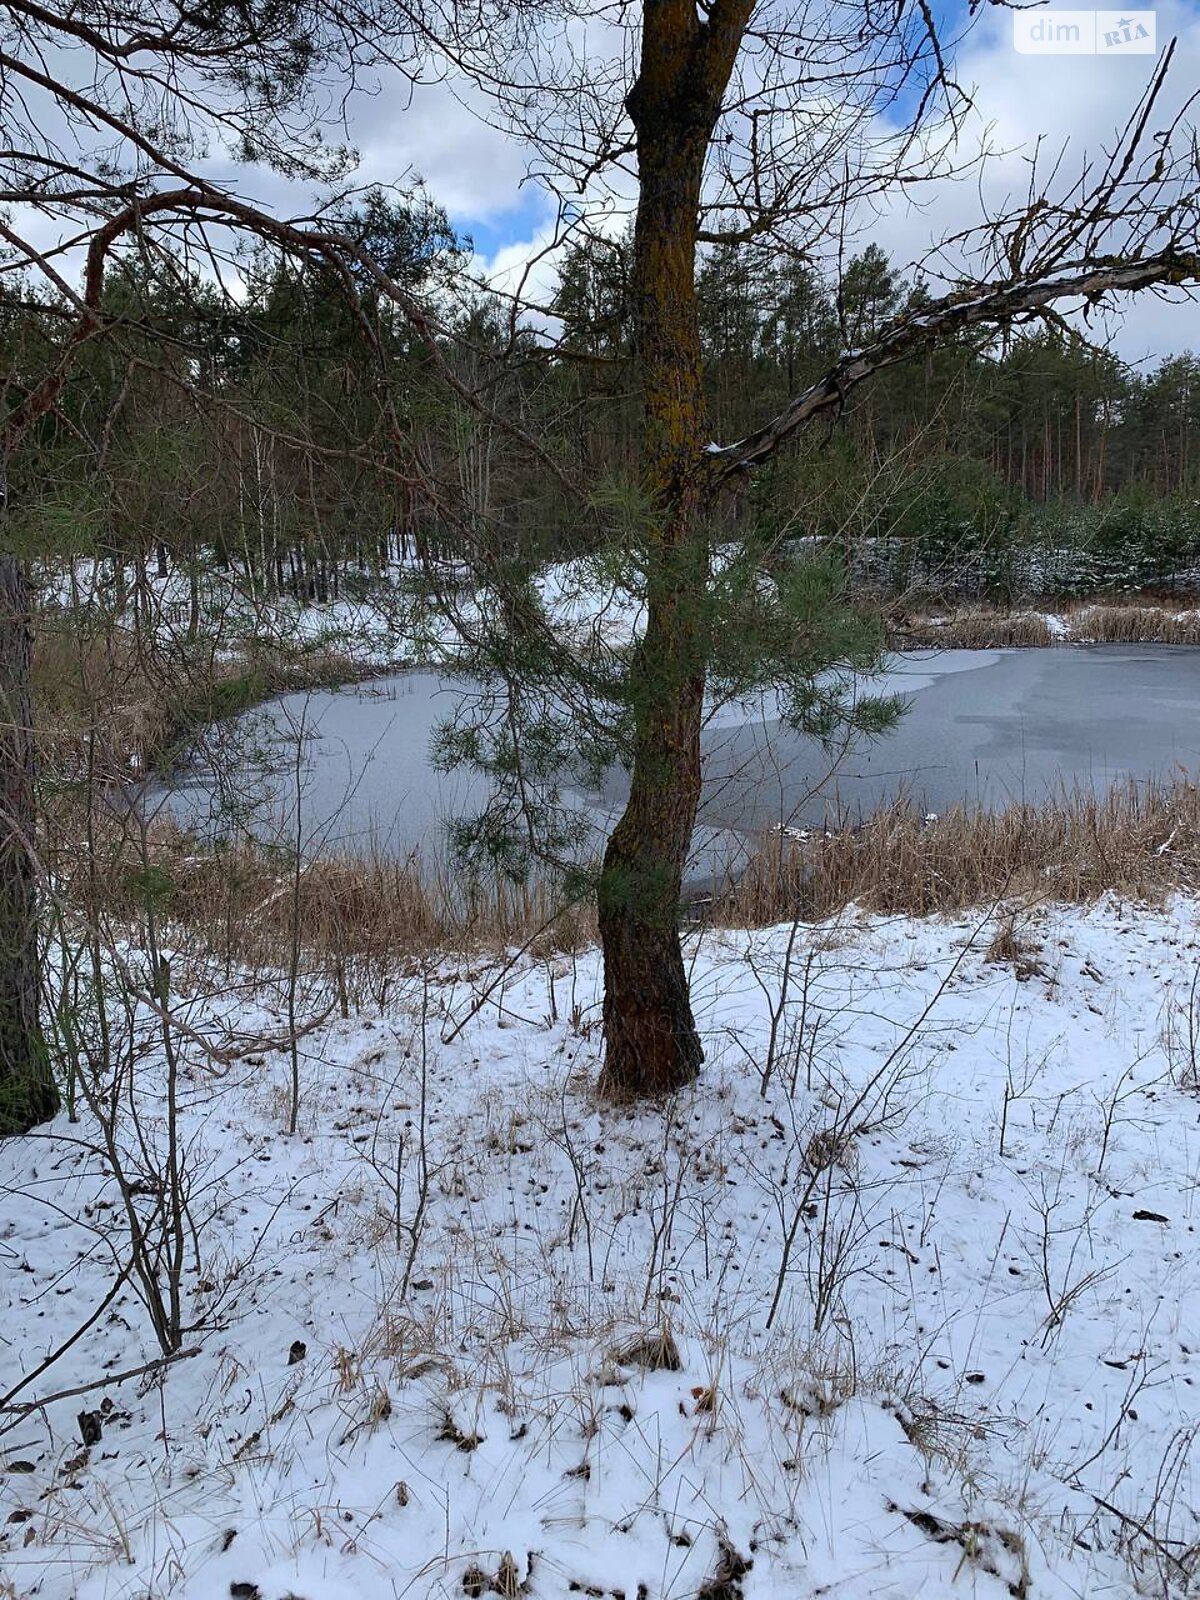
(109, 708)
(97, 704)
(973, 630)
(370, 914)
(245, 904)
(101, 693)
(111, 705)
(1140, 624)
(1139, 841)
(985, 628)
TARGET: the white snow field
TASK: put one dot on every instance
(471, 1332)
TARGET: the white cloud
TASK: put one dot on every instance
(448, 133)
(472, 168)
(1075, 104)
(1070, 103)
(526, 267)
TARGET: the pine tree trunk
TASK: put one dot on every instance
(651, 1044)
(27, 1092)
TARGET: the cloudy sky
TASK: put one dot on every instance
(479, 171)
(473, 166)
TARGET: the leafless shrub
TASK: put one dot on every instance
(1181, 1038)
(817, 1199)
(1055, 1246)
(789, 1037)
(404, 1168)
(1173, 1561)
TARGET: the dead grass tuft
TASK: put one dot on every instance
(451, 1433)
(726, 1581)
(829, 1147)
(507, 1583)
(657, 1352)
(998, 1551)
(1008, 948)
(1004, 948)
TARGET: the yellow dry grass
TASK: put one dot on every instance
(249, 905)
(1139, 841)
(109, 705)
(976, 629)
(1105, 622)
(1130, 624)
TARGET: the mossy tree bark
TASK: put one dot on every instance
(27, 1092)
(651, 1043)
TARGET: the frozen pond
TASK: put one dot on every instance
(350, 768)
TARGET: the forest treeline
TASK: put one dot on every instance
(307, 442)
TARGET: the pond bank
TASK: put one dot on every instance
(991, 628)
(110, 706)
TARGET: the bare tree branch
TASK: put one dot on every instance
(990, 306)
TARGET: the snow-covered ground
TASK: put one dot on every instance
(932, 1287)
